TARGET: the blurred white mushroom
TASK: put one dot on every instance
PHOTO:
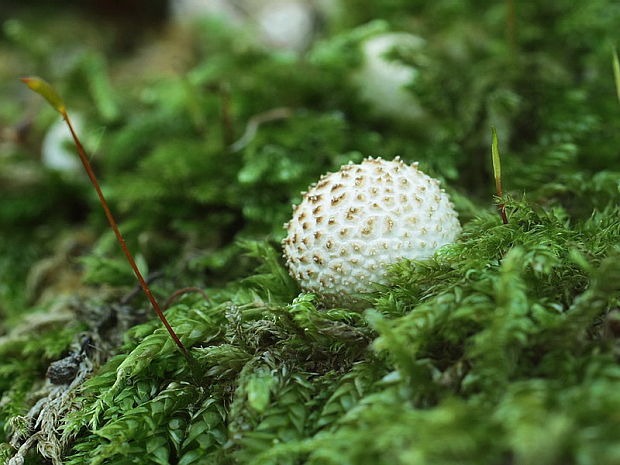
(277, 24)
(57, 149)
(382, 79)
(285, 24)
(188, 11)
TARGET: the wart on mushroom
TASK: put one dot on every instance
(353, 223)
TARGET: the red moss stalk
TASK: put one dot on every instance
(45, 90)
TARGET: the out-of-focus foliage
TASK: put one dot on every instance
(501, 349)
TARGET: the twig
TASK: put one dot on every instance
(136, 290)
(186, 290)
(255, 122)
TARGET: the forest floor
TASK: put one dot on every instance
(502, 348)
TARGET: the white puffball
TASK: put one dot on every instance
(286, 25)
(57, 149)
(354, 223)
(188, 11)
(382, 82)
(276, 24)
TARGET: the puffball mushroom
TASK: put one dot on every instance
(353, 223)
(382, 80)
(57, 150)
(285, 24)
(277, 24)
(187, 11)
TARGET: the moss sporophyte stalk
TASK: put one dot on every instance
(41, 87)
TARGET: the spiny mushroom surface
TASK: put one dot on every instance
(353, 223)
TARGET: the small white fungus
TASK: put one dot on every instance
(57, 149)
(382, 80)
(353, 223)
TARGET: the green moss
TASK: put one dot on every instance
(24, 357)
(502, 348)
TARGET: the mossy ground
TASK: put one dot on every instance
(503, 349)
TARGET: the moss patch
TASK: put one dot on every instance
(503, 348)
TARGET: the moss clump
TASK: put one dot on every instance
(502, 348)
(501, 338)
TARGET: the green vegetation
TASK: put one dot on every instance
(501, 349)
